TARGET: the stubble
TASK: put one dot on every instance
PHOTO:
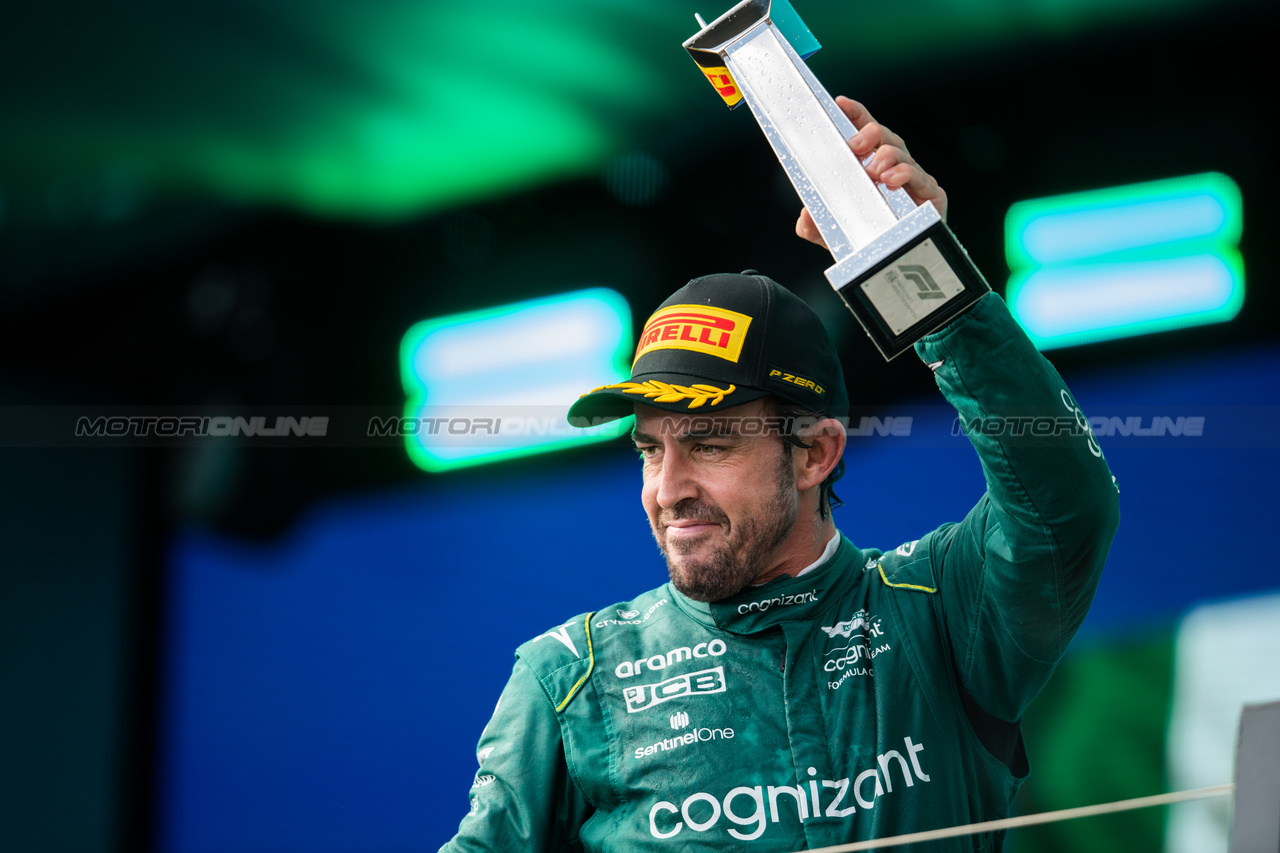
(745, 553)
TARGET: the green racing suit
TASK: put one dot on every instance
(877, 694)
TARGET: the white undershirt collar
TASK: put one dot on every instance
(827, 553)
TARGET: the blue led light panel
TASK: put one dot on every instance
(1126, 261)
(495, 384)
(1202, 208)
(1068, 305)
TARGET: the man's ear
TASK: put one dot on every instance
(827, 440)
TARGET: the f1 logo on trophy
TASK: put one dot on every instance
(898, 267)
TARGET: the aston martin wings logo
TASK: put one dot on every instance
(845, 629)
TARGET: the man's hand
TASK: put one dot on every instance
(891, 164)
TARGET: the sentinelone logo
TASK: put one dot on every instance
(121, 426)
(702, 735)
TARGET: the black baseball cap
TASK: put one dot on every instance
(720, 341)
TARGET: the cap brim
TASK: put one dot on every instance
(671, 392)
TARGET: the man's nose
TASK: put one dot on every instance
(676, 481)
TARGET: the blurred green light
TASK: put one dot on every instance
(496, 384)
(1073, 304)
(1126, 261)
(1205, 208)
(392, 109)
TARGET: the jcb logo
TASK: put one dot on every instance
(700, 683)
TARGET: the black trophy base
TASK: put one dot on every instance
(918, 288)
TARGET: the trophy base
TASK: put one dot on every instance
(917, 288)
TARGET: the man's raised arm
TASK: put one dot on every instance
(1017, 576)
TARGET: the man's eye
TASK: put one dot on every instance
(647, 451)
(707, 449)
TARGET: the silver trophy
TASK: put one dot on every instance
(898, 267)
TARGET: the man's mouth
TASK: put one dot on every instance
(688, 528)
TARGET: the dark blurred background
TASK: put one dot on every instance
(235, 646)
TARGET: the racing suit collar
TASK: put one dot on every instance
(785, 599)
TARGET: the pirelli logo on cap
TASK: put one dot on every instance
(700, 328)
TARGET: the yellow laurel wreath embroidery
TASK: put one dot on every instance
(661, 392)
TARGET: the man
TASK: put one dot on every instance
(787, 689)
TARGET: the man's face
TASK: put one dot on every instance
(719, 503)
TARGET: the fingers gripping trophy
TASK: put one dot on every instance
(897, 265)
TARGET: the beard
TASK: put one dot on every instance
(745, 551)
